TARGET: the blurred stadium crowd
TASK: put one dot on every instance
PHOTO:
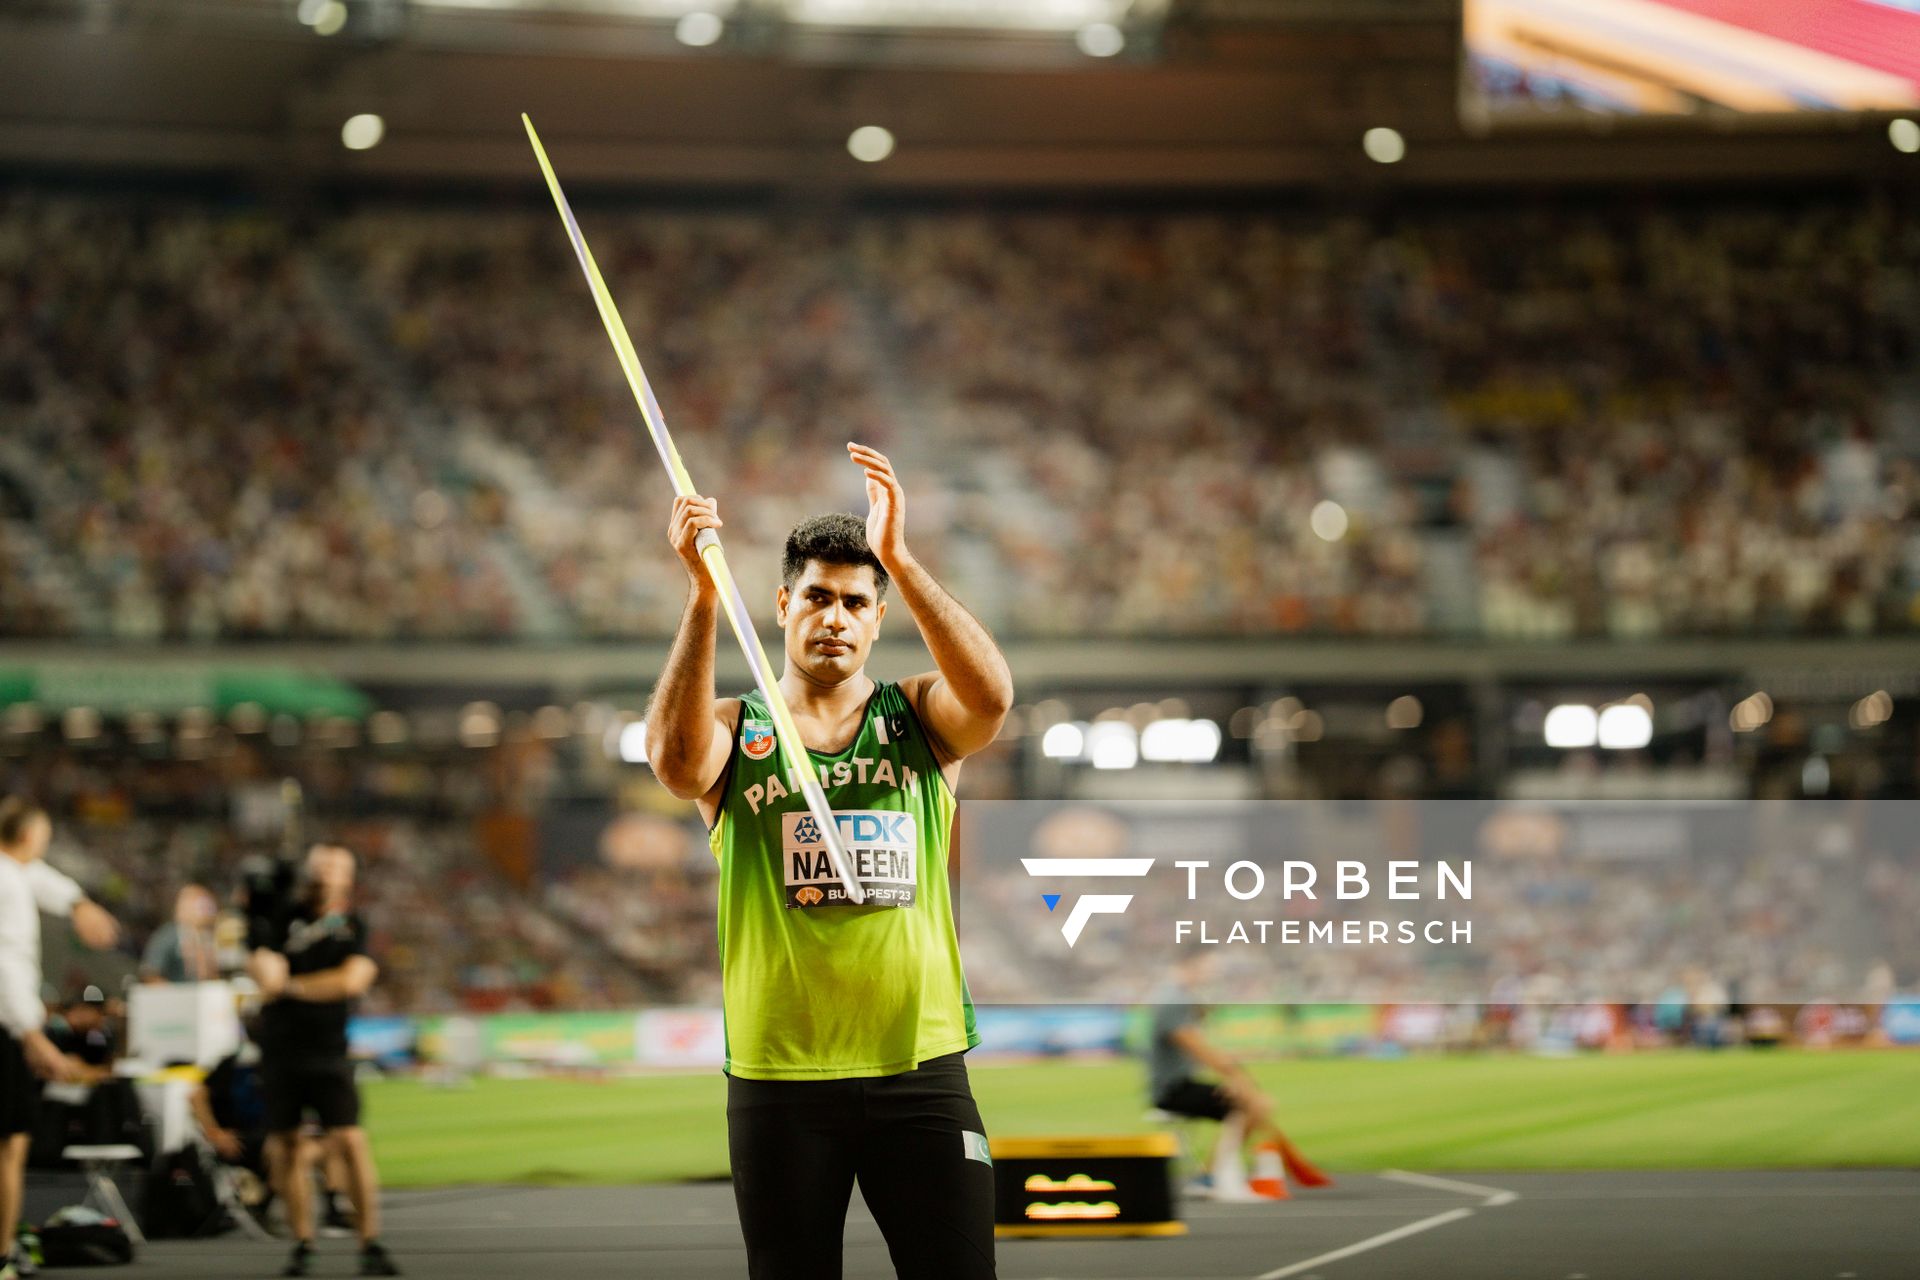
(403, 423)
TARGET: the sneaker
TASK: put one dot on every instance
(22, 1260)
(299, 1261)
(8, 1271)
(376, 1261)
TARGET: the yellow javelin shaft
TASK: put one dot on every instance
(788, 736)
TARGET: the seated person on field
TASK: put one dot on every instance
(1177, 1055)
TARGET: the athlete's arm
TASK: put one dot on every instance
(268, 969)
(964, 703)
(200, 1102)
(1189, 1040)
(689, 731)
(58, 894)
(348, 980)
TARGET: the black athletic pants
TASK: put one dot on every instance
(913, 1141)
(19, 1090)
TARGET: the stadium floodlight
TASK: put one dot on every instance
(699, 28)
(326, 17)
(870, 143)
(1100, 39)
(1161, 742)
(479, 724)
(1328, 521)
(1405, 712)
(1751, 712)
(362, 132)
(1180, 741)
(1384, 145)
(1064, 741)
(80, 724)
(1625, 727)
(1571, 725)
(1112, 744)
(1202, 742)
(1871, 711)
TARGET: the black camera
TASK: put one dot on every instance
(270, 885)
(268, 890)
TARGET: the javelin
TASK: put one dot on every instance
(792, 750)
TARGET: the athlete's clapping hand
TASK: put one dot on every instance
(886, 508)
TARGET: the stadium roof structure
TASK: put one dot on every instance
(981, 95)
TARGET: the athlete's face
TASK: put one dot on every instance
(831, 617)
(330, 870)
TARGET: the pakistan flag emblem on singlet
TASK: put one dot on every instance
(756, 739)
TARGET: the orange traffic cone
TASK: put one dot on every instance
(1267, 1181)
(1300, 1169)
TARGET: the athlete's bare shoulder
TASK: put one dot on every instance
(916, 690)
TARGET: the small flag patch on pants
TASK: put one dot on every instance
(976, 1146)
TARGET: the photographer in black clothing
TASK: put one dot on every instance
(311, 966)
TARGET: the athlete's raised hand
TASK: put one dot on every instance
(690, 516)
(886, 507)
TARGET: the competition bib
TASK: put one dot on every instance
(882, 844)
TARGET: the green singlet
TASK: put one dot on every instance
(815, 988)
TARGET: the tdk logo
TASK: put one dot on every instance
(1092, 904)
(888, 829)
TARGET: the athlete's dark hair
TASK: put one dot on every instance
(838, 537)
(15, 815)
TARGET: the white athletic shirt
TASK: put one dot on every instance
(26, 891)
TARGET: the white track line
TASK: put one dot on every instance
(1371, 1242)
(1494, 1196)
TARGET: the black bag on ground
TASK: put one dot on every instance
(81, 1237)
(179, 1199)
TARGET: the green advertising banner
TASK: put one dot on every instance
(168, 687)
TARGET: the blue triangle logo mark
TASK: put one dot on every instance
(1051, 899)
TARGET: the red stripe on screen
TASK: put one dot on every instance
(1860, 31)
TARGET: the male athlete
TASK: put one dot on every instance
(311, 972)
(1177, 1053)
(845, 1025)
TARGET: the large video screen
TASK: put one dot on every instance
(1678, 57)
